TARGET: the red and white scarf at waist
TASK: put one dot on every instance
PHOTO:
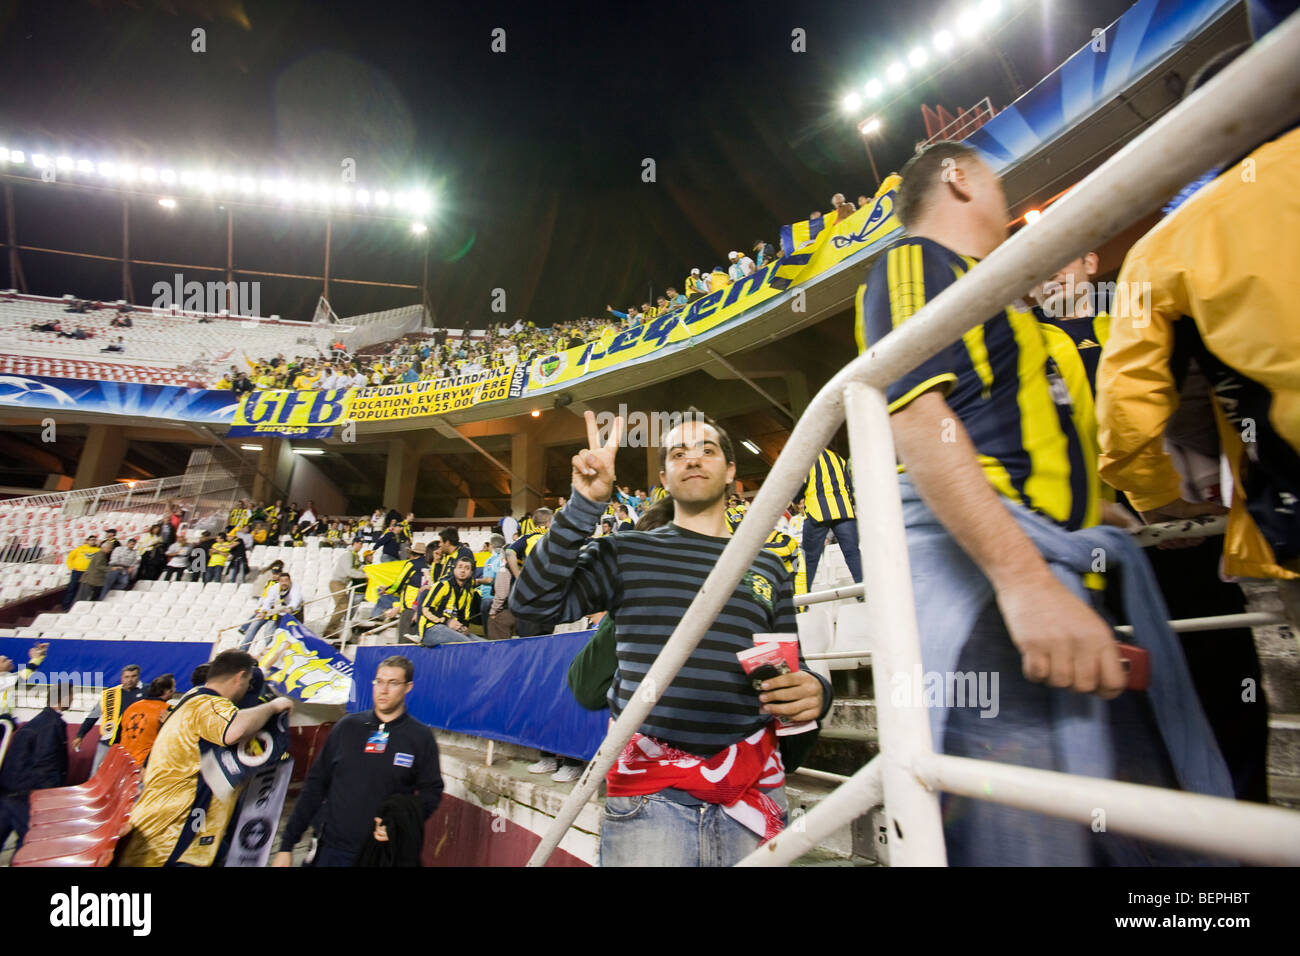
(735, 777)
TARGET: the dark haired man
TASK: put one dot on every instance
(994, 479)
(450, 550)
(446, 608)
(37, 759)
(108, 711)
(178, 820)
(367, 758)
(143, 719)
(702, 783)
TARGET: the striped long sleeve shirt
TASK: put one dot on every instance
(647, 579)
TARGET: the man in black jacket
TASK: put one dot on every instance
(366, 759)
(37, 759)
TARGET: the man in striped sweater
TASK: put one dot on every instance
(701, 784)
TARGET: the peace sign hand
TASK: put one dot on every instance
(593, 469)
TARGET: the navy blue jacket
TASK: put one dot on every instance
(38, 756)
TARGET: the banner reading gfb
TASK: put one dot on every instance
(418, 399)
(293, 414)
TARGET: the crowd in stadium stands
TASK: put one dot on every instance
(504, 345)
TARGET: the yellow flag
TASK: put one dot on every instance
(380, 576)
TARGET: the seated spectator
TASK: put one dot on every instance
(447, 608)
(115, 346)
(277, 602)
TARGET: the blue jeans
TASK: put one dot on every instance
(114, 578)
(657, 830)
(814, 540)
(384, 604)
(441, 634)
(251, 629)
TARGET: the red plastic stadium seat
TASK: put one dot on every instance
(99, 853)
(117, 766)
(74, 834)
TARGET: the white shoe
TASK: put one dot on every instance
(567, 774)
(545, 765)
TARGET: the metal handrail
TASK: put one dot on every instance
(1255, 96)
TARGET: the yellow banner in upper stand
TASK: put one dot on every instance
(383, 403)
(285, 408)
(831, 247)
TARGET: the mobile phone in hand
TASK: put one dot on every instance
(1137, 666)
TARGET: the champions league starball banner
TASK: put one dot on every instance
(213, 406)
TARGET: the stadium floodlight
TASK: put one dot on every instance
(167, 202)
(943, 41)
(1032, 216)
(917, 57)
(968, 23)
(228, 182)
(421, 201)
(16, 157)
(874, 88)
(208, 182)
(64, 162)
(148, 174)
(167, 176)
(381, 198)
(896, 72)
(107, 170)
(309, 451)
(128, 172)
(40, 160)
(363, 197)
(870, 126)
(989, 9)
(419, 228)
(188, 178)
(851, 102)
(248, 185)
(250, 447)
(753, 449)
(85, 166)
(342, 195)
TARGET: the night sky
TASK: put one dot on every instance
(536, 153)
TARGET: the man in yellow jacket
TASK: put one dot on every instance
(78, 560)
(1215, 277)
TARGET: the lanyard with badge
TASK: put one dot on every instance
(378, 742)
